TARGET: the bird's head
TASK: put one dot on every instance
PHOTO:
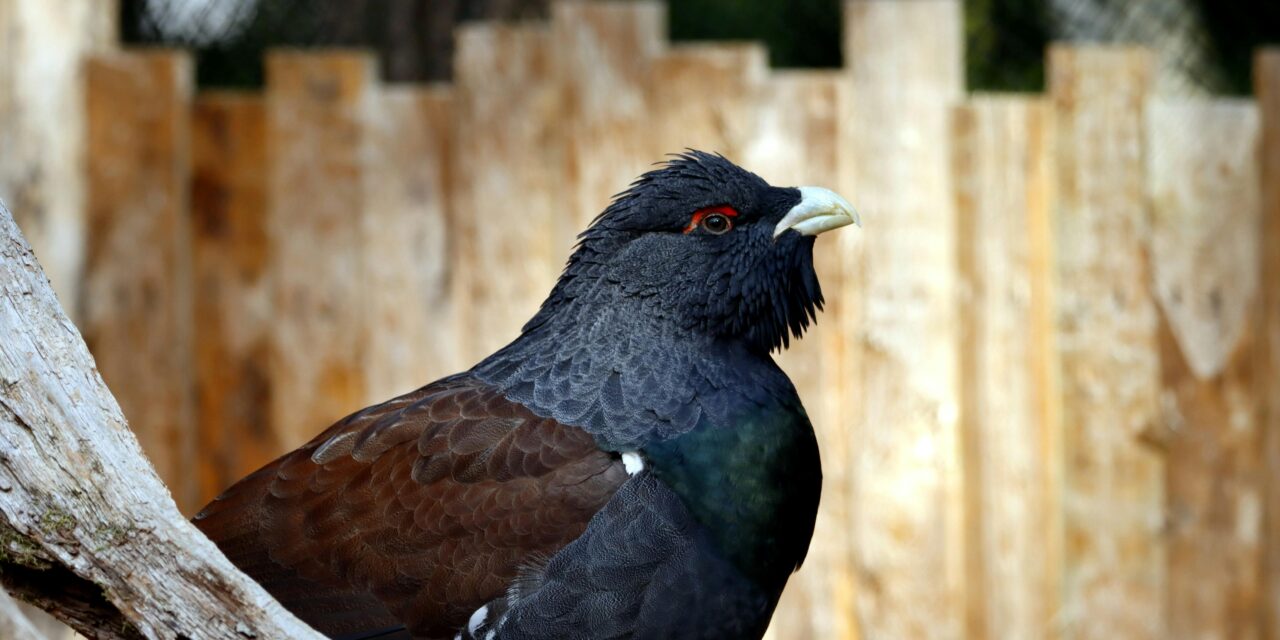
(711, 247)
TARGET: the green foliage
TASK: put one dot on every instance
(1236, 29)
(1005, 41)
(1004, 47)
(799, 33)
(18, 550)
(58, 521)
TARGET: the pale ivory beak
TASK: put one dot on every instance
(819, 210)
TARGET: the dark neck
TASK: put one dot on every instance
(720, 424)
(627, 373)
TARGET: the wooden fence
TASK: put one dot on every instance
(1047, 387)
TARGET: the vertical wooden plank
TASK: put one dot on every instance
(1114, 573)
(1009, 414)
(14, 622)
(704, 96)
(1203, 183)
(903, 61)
(43, 48)
(317, 128)
(50, 628)
(507, 161)
(230, 258)
(1266, 81)
(137, 315)
(603, 51)
(407, 238)
(795, 143)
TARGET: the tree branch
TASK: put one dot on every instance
(87, 530)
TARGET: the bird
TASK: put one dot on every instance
(633, 465)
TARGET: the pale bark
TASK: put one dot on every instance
(87, 530)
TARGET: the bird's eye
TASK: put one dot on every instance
(716, 220)
(717, 223)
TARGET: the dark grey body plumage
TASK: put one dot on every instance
(502, 490)
(733, 474)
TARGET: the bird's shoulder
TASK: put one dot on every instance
(430, 503)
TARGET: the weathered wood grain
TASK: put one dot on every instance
(1009, 416)
(705, 96)
(1113, 472)
(1266, 361)
(81, 510)
(904, 66)
(137, 306)
(318, 107)
(603, 52)
(408, 239)
(230, 255)
(43, 115)
(1203, 181)
(506, 191)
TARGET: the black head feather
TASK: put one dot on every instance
(657, 325)
(740, 285)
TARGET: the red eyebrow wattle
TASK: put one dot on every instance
(698, 215)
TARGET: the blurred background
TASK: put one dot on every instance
(1047, 382)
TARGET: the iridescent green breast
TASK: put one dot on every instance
(754, 484)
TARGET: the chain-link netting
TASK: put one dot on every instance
(196, 22)
(1203, 46)
(1173, 28)
(413, 38)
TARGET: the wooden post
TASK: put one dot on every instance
(703, 96)
(1267, 359)
(1114, 573)
(408, 239)
(1009, 415)
(230, 255)
(904, 65)
(317, 130)
(14, 622)
(137, 314)
(1204, 255)
(505, 171)
(796, 144)
(43, 48)
(603, 51)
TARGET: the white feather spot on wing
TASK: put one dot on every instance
(477, 619)
(632, 462)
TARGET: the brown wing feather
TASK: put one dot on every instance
(416, 511)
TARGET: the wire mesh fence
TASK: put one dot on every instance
(1198, 41)
(413, 38)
